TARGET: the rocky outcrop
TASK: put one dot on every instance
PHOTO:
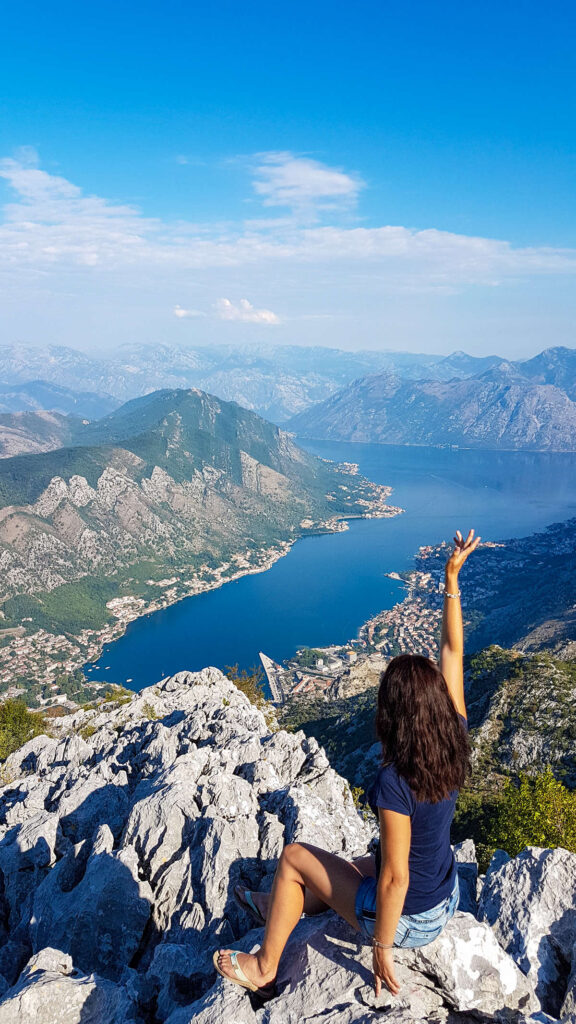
(124, 834)
(530, 902)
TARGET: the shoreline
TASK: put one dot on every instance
(79, 653)
(440, 447)
(273, 555)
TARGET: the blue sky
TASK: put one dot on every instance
(396, 175)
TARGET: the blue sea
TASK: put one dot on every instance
(328, 585)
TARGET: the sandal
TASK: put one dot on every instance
(266, 993)
(246, 901)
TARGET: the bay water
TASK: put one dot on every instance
(328, 585)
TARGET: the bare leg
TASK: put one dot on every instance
(312, 905)
(329, 878)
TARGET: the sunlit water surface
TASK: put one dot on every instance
(328, 585)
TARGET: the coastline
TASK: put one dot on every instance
(75, 654)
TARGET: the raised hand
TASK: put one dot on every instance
(462, 550)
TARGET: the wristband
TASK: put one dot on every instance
(382, 945)
(446, 594)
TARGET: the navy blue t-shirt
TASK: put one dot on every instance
(431, 863)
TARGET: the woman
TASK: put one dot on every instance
(405, 895)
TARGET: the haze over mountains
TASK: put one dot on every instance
(276, 382)
(527, 405)
(388, 397)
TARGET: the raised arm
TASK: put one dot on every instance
(452, 638)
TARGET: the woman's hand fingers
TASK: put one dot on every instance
(384, 972)
(462, 548)
(389, 980)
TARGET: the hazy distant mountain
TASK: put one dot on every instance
(275, 382)
(22, 433)
(553, 366)
(40, 394)
(460, 364)
(498, 409)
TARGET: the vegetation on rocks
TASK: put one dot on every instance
(250, 682)
(531, 810)
(17, 726)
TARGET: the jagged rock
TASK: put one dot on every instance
(473, 971)
(101, 919)
(465, 854)
(122, 850)
(568, 1011)
(26, 852)
(326, 975)
(530, 902)
(51, 991)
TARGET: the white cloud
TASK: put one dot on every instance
(283, 179)
(244, 312)
(68, 254)
(186, 314)
(54, 226)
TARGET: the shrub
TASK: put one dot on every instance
(251, 684)
(534, 810)
(537, 811)
(17, 726)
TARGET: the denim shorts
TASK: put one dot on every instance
(413, 929)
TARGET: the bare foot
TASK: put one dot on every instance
(249, 964)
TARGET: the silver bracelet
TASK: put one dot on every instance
(446, 594)
(381, 945)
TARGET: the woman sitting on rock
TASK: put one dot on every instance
(407, 893)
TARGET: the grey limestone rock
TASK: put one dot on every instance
(473, 972)
(530, 902)
(465, 854)
(100, 920)
(120, 851)
(326, 975)
(568, 1009)
(26, 853)
(51, 991)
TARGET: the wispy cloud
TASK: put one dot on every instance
(187, 314)
(53, 223)
(244, 312)
(283, 179)
(70, 247)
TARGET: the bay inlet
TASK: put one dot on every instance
(328, 585)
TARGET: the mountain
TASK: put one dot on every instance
(25, 432)
(555, 366)
(38, 395)
(124, 833)
(173, 484)
(274, 381)
(460, 364)
(498, 409)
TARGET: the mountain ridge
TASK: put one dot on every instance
(499, 408)
(172, 495)
(274, 381)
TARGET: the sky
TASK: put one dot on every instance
(384, 175)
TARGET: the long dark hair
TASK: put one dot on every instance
(419, 728)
